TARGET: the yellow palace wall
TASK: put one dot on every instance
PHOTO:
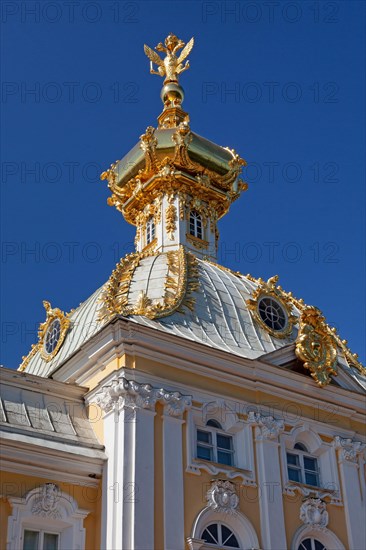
(195, 487)
(87, 498)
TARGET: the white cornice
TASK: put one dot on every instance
(21, 456)
(125, 336)
(25, 381)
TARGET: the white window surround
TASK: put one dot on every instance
(327, 463)
(62, 516)
(238, 523)
(325, 536)
(241, 433)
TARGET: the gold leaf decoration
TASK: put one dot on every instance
(63, 323)
(315, 347)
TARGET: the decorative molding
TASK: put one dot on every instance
(222, 497)
(123, 393)
(269, 427)
(348, 450)
(315, 347)
(313, 512)
(46, 504)
(52, 315)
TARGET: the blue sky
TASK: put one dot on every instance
(281, 82)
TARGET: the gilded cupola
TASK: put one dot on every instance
(174, 185)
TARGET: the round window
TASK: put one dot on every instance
(272, 313)
(52, 336)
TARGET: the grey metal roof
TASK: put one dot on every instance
(50, 411)
(220, 318)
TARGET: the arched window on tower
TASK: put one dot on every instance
(302, 467)
(195, 224)
(150, 230)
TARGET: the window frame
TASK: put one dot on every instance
(220, 544)
(301, 455)
(150, 231)
(213, 445)
(238, 428)
(195, 224)
(42, 532)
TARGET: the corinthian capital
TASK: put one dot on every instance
(270, 428)
(123, 393)
(348, 449)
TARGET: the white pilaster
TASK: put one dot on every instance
(173, 470)
(128, 485)
(269, 475)
(351, 478)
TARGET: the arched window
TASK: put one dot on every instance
(195, 224)
(214, 444)
(311, 544)
(150, 230)
(302, 467)
(218, 534)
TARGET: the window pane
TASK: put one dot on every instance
(310, 463)
(294, 475)
(204, 437)
(300, 446)
(311, 479)
(210, 534)
(224, 441)
(213, 423)
(225, 458)
(50, 541)
(306, 544)
(319, 545)
(204, 452)
(31, 539)
(293, 459)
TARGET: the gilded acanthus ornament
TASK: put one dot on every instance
(172, 65)
(315, 347)
(57, 323)
(181, 281)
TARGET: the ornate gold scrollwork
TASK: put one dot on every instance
(180, 283)
(269, 289)
(63, 322)
(315, 347)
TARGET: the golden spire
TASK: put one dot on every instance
(171, 66)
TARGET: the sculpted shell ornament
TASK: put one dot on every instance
(315, 347)
(53, 330)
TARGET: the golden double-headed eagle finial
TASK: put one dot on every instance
(172, 65)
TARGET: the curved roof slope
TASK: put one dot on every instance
(179, 294)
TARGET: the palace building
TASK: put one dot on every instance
(183, 406)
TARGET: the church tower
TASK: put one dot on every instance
(203, 408)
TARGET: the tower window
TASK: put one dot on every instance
(272, 313)
(195, 224)
(150, 230)
(302, 467)
(215, 445)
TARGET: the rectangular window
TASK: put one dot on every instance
(40, 540)
(294, 468)
(215, 447)
(204, 445)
